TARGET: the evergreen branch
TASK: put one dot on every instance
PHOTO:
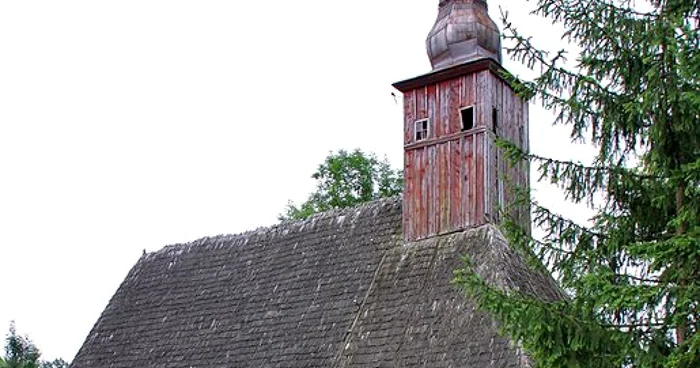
(528, 242)
(627, 11)
(632, 325)
(637, 278)
(533, 55)
(634, 271)
(555, 219)
(557, 225)
(515, 154)
(543, 326)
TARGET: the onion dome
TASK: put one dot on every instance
(463, 32)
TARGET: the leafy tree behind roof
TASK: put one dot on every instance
(633, 275)
(346, 179)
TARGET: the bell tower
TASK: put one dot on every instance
(455, 177)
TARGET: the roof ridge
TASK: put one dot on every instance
(283, 227)
(336, 211)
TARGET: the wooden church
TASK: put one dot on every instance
(367, 286)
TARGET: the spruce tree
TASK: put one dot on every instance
(632, 275)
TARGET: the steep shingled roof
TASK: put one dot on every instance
(338, 290)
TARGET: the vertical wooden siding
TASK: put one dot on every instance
(452, 177)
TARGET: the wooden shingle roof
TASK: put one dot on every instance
(338, 290)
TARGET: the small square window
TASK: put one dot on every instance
(422, 130)
(467, 115)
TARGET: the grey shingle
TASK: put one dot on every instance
(338, 290)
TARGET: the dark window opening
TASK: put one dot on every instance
(421, 130)
(467, 115)
(494, 120)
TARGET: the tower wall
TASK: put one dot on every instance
(455, 177)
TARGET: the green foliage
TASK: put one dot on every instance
(346, 179)
(20, 352)
(633, 275)
(57, 363)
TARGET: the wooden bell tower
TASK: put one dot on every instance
(455, 177)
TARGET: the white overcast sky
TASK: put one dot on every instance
(132, 124)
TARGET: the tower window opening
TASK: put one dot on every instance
(422, 129)
(467, 115)
(494, 120)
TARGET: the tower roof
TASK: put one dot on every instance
(463, 32)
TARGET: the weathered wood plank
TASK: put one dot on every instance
(457, 89)
(497, 100)
(421, 103)
(424, 180)
(483, 98)
(409, 195)
(468, 203)
(431, 101)
(468, 90)
(443, 116)
(444, 185)
(526, 126)
(444, 139)
(480, 177)
(430, 193)
(510, 117)
(465, 180)
(499, 103)
(494, 178)
(409, 113)
(418, 192)
(455, 183)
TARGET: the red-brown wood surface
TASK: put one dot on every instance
(454, 185)
(482, 98)
(492, 180)
(421, 103)
(422, 227)
(455, 98)
(479, 178)
(466, 177)
(442, 119)
(409, 195)
(468, 90)
(409, 114)
(443, 197)
(431, 100)
(434, 203)
(454, 179)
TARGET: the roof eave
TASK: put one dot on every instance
(454, 71)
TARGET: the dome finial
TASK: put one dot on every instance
(463, 32)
